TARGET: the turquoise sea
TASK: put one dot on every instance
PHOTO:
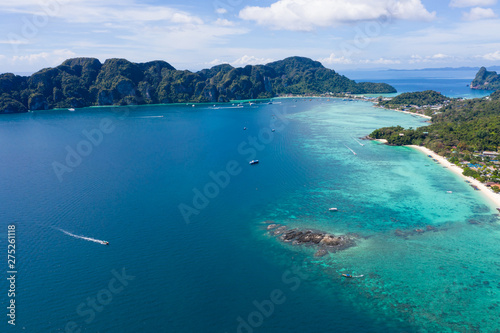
(171, 189)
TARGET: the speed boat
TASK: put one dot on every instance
(333, 209)
(253, 162)
(105, 243)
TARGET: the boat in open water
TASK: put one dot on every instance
(253, 162)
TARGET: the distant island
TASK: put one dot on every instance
(83, 82)
(486, 80)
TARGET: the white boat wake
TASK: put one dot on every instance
(350, 149)
(358, 142)
(83, 237)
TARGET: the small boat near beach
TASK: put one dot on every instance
(253, 162)
(71, 109)
(449, 192)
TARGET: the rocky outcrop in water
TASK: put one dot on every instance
(323, 242)
(412, 232)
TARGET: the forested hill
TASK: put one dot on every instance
(84, 82)
(486, 80)
(462, 126)
(419, 98)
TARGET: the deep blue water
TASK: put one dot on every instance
(214, 270)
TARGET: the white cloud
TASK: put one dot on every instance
(224, 23)
(175, 39)
(440, 56)
(13, 42)
(333, 59)
(471, 3)
(381, 61)
(478, 13)
(216, 62)
(221, 11)
(95, 11)
(250, 60)
(303, 15)
(494, 56)
(436, 58)
(243, 61)
(43, 59)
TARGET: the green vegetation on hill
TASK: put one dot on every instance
(486, 80)
(461, 133)
(463, 126)
(84, 82)
(420, 98)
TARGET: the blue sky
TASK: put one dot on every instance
(343, 35)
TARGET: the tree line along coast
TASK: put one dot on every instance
(83, 82)
(466, 132)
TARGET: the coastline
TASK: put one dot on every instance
(492, 196)
(412, 113)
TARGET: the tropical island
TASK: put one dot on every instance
(422, 102)
(486, 80)
(465, 132)
(83, 82)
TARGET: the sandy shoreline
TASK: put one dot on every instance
(494, 198)
(412, 113)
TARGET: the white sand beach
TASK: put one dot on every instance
(380, 140)
(494, 197)
(412, 113)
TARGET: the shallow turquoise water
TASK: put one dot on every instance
(444, 280)
(206, 275)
